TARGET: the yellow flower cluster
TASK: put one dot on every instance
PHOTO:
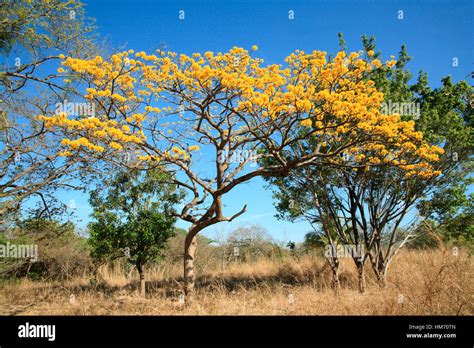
(331, 98)
(82, 142)
(95, 133)
(179, 153)
(193, 148)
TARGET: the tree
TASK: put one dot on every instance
(132, 215)
(314, 240)
(367, 205)
(451, 212)
(33, 35)
(449, 119)
(247, 243)
(231, 111)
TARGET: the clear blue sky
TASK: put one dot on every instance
(435, 32)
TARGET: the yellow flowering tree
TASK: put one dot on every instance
(365, 205)
(213, 117)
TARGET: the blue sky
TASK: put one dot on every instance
(435, 33)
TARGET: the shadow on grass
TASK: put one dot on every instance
(317, 276)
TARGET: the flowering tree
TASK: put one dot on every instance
(369, 206)
(194, 113)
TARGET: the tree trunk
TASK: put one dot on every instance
(381, 277)
(142, 285)
(335, 274)
(335, 281)
(361, 275)
(381, 280)
(142, 279)
(380, 270)
(190, 245)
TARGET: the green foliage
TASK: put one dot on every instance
(62, 253)
(42, 25)
(447, 119)
(133, 215)
(449, 203)
(314, 240)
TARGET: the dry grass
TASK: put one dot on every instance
(419, 283)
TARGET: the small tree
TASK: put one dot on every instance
(133, 217)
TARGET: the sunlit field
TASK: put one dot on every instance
(420, 283)
(166, 164)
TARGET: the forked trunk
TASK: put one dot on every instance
(335, 274)
(380, 270)
(381, 277)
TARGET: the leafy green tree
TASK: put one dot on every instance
(451, 211)
(447, 117)
(314, 239)
(133, 217)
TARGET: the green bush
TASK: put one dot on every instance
(62, 253)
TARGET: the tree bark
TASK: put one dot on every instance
(381, 280)
(335, 275)
(190, 245)
(381, 277)
(380, 271)
(361, 276)
(335, 281)
(142, 279)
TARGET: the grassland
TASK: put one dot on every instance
(419, 283)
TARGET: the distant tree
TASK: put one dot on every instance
(291, 245)
(132, 217)
(62, 253)
(451, 212)
(247, 242)
(314, 239)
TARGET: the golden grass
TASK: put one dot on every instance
(419, 283)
